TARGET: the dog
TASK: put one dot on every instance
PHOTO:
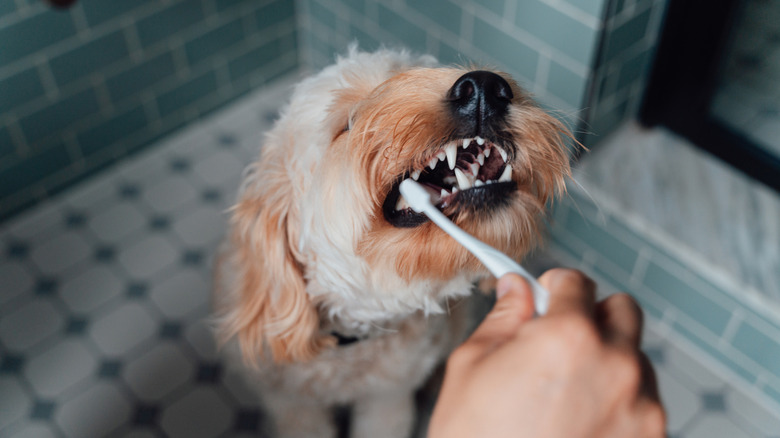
(329, 288)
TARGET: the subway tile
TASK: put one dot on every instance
(599, 238)
(255, 59)
(111, 130)
(686, 299)
(140, 77)
(496, 6)
(212, 42)
(58, 116)
(519, 57)
(34, 168)
(443, 12)
(323, 15)
(274, 13)
(6, 143)
(357, 5)
(772, 392)
(186, 93)
(7, 7)
(365, 40)
(99, 11)
(762, 347)
(89, 57)
(711, 350)
(628, 34)
(33, 34)
(401, 28)
(594, 8)
(20, 88)
(566, 85)
(558, 30)
(450, 55)
(169, 21)
(223, 5)
(633, 68)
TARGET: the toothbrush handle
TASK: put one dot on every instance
(497, 262)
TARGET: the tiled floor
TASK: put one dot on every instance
(104, 306)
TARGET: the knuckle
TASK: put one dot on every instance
(465, 354)
(628, 369)
(655, 421)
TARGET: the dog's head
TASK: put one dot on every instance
(320, 229)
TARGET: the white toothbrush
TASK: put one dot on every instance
(497, 262)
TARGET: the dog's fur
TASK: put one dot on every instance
(311, 253)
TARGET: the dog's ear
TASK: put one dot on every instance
(270, 310)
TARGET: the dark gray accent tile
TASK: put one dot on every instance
(75, 219)
(159, 223)
(628, 34)
(226, 140)
(89, 57)
(105, 254)
(170, 330)
(179, 165)
(98, 11)
(19, 89)
(129, 191)
(186, 93)
(42, 410)
(17, 249)
(112, 130)
(137, 290)
(76, 326)
(192, 257)
(275, 13)
(713, 402)
(52, 119)
(46, 286)
(34, 33)
(211, 195)
(247, 420)
(7, 146)
(173, 19)
(109, 369)
(146, 415)
(205, 46)
(140, 77)
(208, 373)
(497, 44)
(11, 364)
(557, 29)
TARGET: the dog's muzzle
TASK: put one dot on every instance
(477, 100)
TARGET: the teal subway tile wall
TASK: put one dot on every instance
(83, 87)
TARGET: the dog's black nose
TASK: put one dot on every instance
(479, 98)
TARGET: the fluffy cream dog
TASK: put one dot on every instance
(333, 290)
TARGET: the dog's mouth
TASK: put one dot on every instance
(472, 173)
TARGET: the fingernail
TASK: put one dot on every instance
(507, 283)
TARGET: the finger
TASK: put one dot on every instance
(620, 320)
(570, 291)
(649, 387)
(514, 306)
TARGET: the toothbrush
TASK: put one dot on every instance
(497, 262)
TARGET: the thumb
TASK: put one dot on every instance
(514, 306)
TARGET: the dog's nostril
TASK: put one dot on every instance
(478, 97)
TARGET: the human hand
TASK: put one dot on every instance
(575, 372)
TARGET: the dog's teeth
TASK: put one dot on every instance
(480, 140)
(474, 169)
(416, 174)
(490, 181)
(441, 156)
(451, 151)
(463, 181)
(433, 162)
(480, 159)
(444, 193)
(466, 142)
(401, 204)
(454, 189)
(506, 175)
(502, 152)
(478, 183)
(486, 152)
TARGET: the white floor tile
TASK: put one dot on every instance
(148, 256)
(96, 412)
(16, 280)
(61, 252)
(30, 324)
(199, 413)
(170, 194)
(201, 227)
(118, 331)
(116, 221)
(158, 371)
(220, 168)
(711, 426)
(36, 431)
(14, 402)
(181, 293)
(681, 404)
(753, 413)
(91, 289)
(60, 367)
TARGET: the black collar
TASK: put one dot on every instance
(344, 340)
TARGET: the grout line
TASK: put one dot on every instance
(737, 316)
(47, 79)
(133, 41)
(575, 14)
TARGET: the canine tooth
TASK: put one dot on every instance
(480, 140)
(466, 142)
(474, 169)
(452, 154)
(502, 152)
(463, 181)
(506, 175)
(478, 183)
(401, 204)
(486, 152)
(444, 193)
(480, 159)
(416, 174)
(433, 162)
(441, 156)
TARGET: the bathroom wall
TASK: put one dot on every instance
(83, 87)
